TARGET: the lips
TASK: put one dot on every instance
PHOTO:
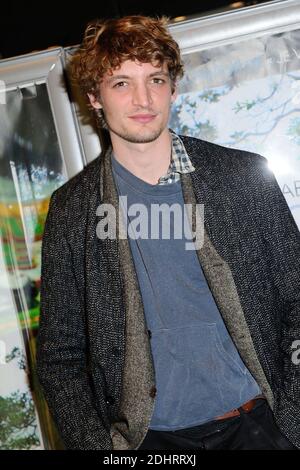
(143, 118)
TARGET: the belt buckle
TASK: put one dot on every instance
(247, 407)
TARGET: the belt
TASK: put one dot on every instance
(246, 407)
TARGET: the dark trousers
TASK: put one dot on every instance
(253, 430)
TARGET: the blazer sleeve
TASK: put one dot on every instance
(61, 344)
(283, 241)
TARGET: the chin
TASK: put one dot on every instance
(141, 136)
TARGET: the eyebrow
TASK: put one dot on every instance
(126, 77)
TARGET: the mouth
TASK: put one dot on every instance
(143, 118)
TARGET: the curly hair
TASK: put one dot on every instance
(108, 43)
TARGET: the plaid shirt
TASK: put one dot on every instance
(180, 162)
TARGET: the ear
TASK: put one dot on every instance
(94, 101)
(175, 93)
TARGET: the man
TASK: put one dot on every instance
(145, 343)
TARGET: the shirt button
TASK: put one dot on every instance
(153, 392)
(110, 400)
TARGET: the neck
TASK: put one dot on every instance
(147, 161)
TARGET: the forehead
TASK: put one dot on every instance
(133, 68)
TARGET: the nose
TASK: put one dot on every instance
(141, 95)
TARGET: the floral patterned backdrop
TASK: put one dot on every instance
(247, 95)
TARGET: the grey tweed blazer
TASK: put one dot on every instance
(94, 357)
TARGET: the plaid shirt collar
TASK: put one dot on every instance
(180, 162)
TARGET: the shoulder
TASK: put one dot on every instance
(70, 204)
(78, 189)
(234, 170)
(227, 164)
(202, 151)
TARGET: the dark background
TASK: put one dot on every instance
(25, 28)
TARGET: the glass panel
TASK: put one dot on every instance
(31, 168)
(247, 95)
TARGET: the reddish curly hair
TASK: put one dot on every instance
(108, 43)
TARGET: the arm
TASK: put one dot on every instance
(61, 349)
(283, 242)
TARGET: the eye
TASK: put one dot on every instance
(119, 84)
(159, 81)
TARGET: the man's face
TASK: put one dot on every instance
(136, 101)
